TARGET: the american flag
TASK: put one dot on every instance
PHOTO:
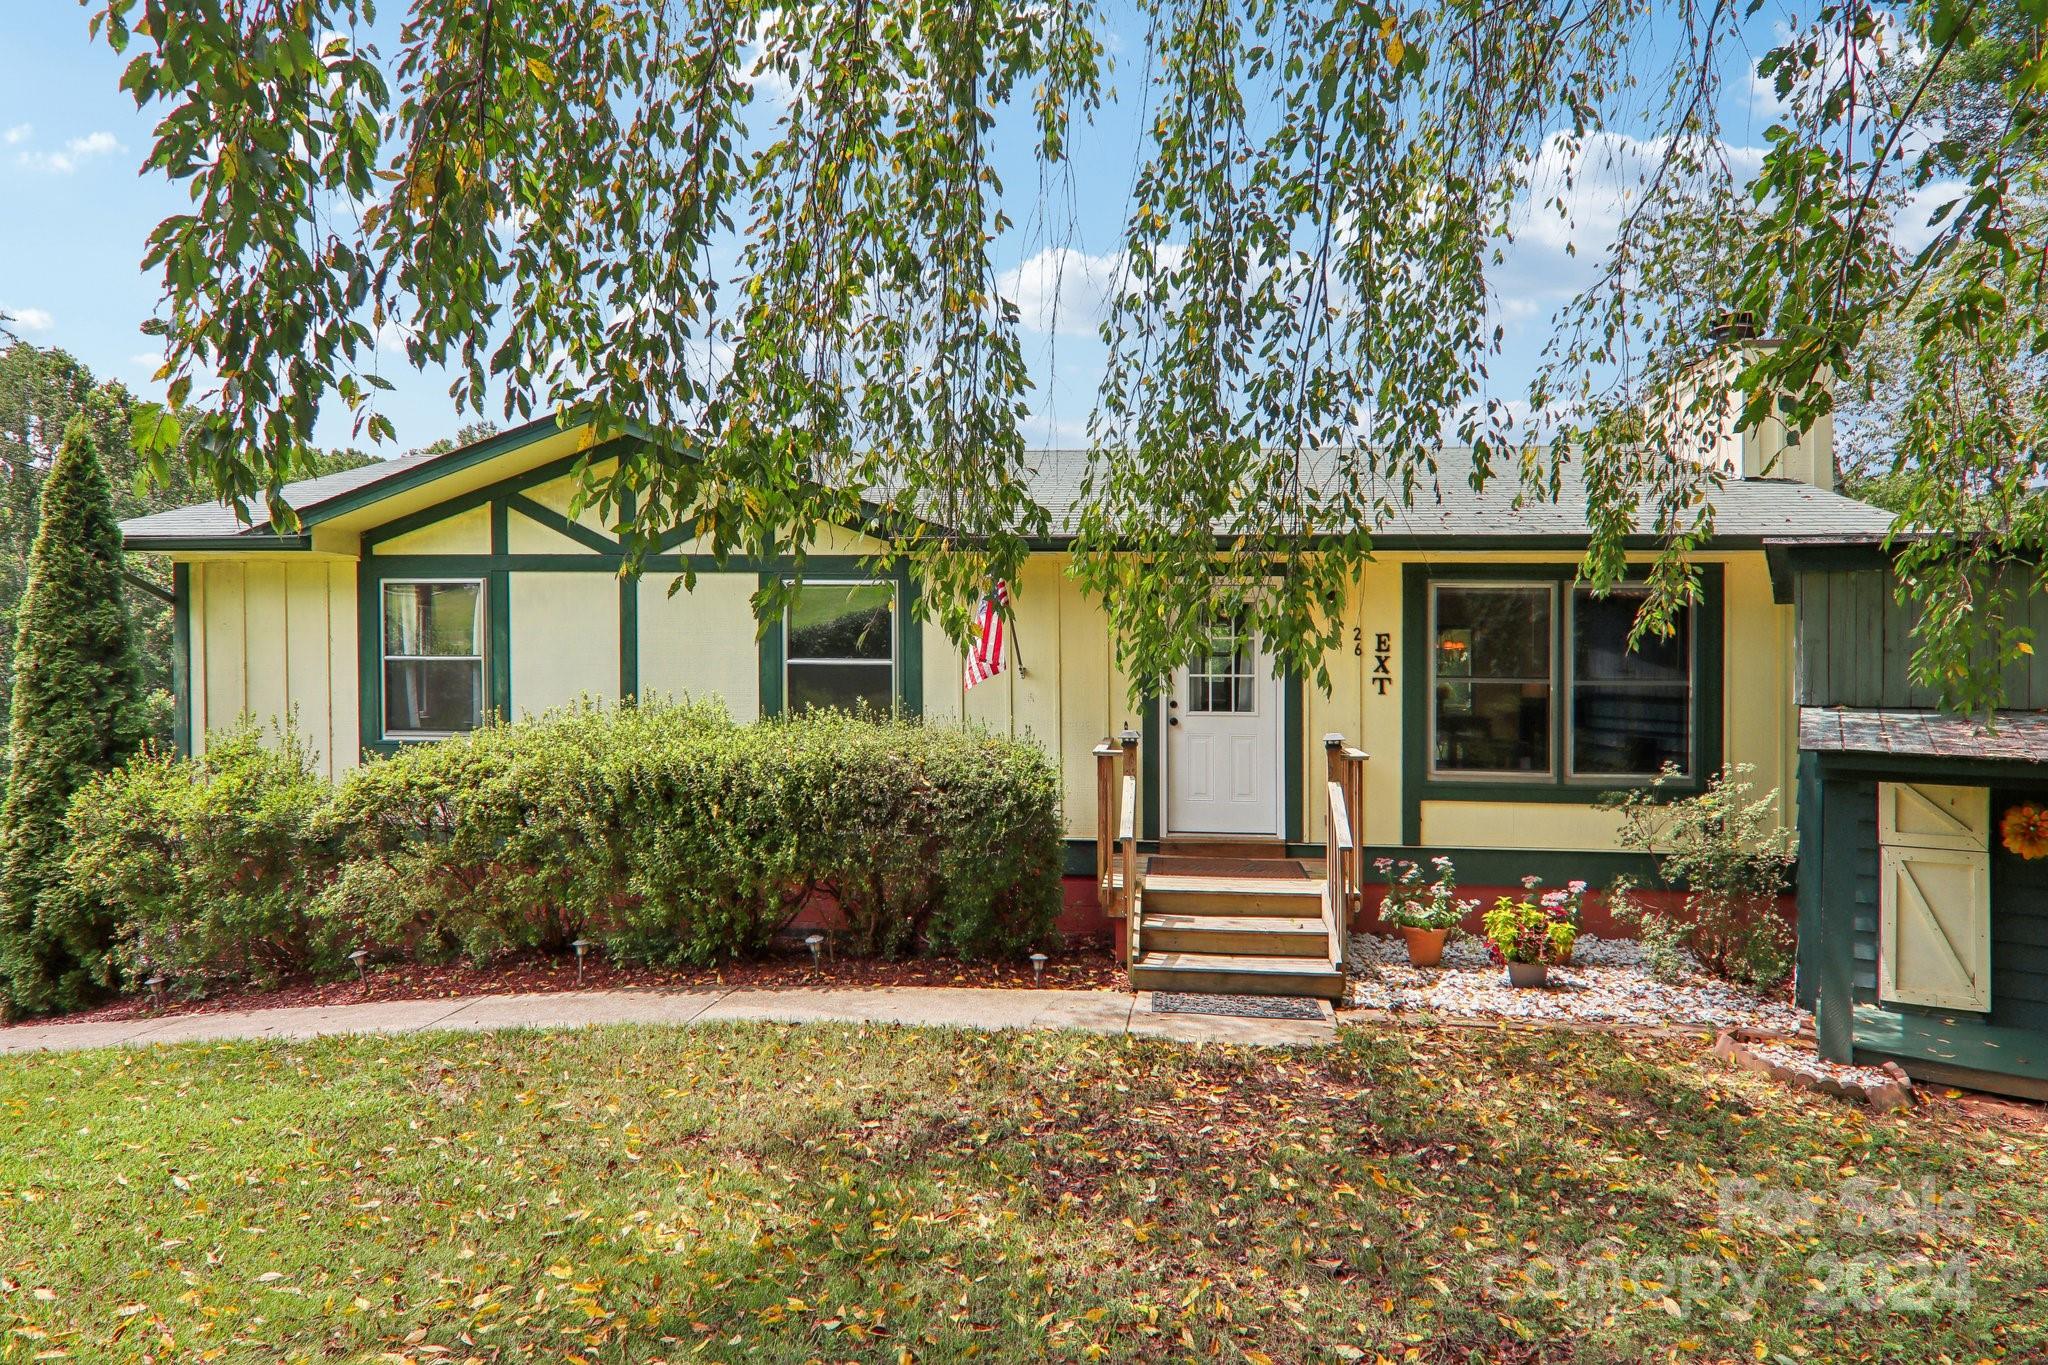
(985, 659)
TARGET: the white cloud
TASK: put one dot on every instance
(1911, 229)
(18, 134)
(1062, 290)
(28, 319)
(65, 162)
(146, 360)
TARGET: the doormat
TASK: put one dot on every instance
(1239, 1006)
(1188, 865)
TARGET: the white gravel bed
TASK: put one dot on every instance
(1607, 981)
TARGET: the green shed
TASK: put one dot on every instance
(1923, 891)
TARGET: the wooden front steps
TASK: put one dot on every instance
(1237, 974)
(1184, 894)
(1271, 935)
(1235, 934)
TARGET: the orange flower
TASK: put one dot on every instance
(2024, 831)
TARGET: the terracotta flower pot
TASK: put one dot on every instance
(1528, 973)
(1425, 946)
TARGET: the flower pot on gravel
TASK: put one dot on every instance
(1425, 946)
(1528, 973)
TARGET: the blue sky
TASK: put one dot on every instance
(74, 214)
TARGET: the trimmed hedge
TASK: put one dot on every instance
(666, 833)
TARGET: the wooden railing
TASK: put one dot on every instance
(1347, 776)
(1119, 877)
(1133, 879)
(1106, 755)
(1340, 886)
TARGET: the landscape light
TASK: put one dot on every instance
(359, 957)
(816, 943)
(1038, 966)
(582, 946)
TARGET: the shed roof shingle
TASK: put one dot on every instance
(2019, 735)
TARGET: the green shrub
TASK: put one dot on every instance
(669, 834)
(212, 868)
(1726, 850)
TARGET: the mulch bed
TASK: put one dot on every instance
(1082, 967)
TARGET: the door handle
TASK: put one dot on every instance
(1173, 720)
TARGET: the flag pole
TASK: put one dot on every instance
(1016, 652)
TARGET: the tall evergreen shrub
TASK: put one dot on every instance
(77, 711)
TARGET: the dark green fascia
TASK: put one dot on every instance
(255, 541)
(1787, 559)
(1417, 786)
(872, 519)
(1923, 768)
(181, 659)
(441, 466)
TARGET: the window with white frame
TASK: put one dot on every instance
(433, 634)
(839, 647)
(1519, 692)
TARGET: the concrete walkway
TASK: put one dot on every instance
(1107, 1012)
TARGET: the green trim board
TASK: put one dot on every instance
(1958, 1043)
(1419, 785)
(1806, 970)
(495, 493)
(1503, 867)
(1151, 764)
(561, 525)
(1293, 718)
(181, 659)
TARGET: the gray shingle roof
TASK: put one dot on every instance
(2020, 735)
(210, 520)
(1447, 508)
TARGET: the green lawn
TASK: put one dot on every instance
(773, 1193)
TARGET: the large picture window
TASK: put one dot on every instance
(433, 658)
(1533, 680)
(840, 647)
(1493, 678)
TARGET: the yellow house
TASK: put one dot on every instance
(1496, 698)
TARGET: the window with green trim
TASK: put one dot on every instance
(839, 647)
(433, 634)
(1530, 679)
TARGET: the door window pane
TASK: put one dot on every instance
(433, 657)
(1631, 708)
(1221, 680)
(840, 647)
(1492, 684)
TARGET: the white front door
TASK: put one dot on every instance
(1223, 737)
